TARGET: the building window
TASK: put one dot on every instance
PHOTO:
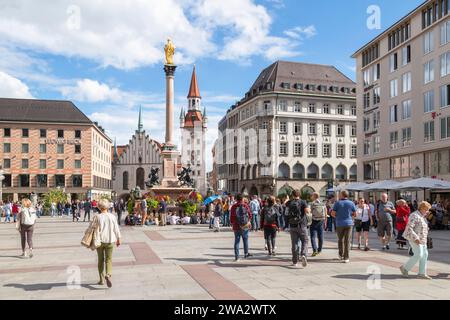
(376, 144)
(60, 180)
(393, 62)
(376, 119)
(341, 151)
(77, 164)
(298, 149)
(366, 124)
(25, 148)
(283, 149)
(42, 133)
(445, 64)
(394, 140)
(340, 130)
(406, 55)
(60, 164)
(366, 100)
(445, 96)
(428, 101)
(7, 132)
(428, 72)
(326, 129)
(60, 148)
(312, 130)
(6, 147)
(77, 181)
(78, 148)
(326, 109)
(393, 114)
(24, 180)
(445, 32)
(366, 77)
(340, 109)
(264, 125)
(297, 128)
(283, 127)
(376, 96)
(354, 151)
(428, 42)
(366, 147)
(25, 133)
(6, 163)
(400, 167)
(282, 106)
(376, 72)
(312, 108)
(77, 134)
(394, 88)
(406, 82)
(353, 110)
(297, 107)
(445, 128)
(326, 150)
(41, 180)
(353, 130)
(312, 150)
(406, 137)
(24, 163)
(60, 133)
(429, 131)
(42, 164)
(125, 181)
(406, 110)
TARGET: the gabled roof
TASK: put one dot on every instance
(194, 92)
(30, 110)
(192, 117)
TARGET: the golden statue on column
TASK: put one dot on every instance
(169, 50)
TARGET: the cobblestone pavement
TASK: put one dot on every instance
(193, 263)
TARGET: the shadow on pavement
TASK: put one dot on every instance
(46, 286)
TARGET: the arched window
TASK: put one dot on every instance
(341, 172)
(327, 172)
(313, 172)
(284, 172)
(368, 172)
(353, 172)
(255, 172)
(248, 173)
(125, 181)
(140, 178)
(299, 171)
(253, 191)
(243, 173)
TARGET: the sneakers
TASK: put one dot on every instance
(295, 265)
(366, 249)
(404, 271)
(237, 260)
(24, 255)
(340, 258)
(273, 253)
(383, 248)
(304, 261)
(346, 261)
(108, 281)
(425, 277)
(315, 254)
(265, 247)
(31, 254)
(387, 247)
(248, 255)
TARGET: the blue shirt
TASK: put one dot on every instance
(344, 210)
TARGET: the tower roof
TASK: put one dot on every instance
(194, 92)
(140, 125)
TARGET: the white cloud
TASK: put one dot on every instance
(130, 34)
(11, 87)
(88, 90)
(301, 33)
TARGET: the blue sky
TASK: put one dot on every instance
(108, 60)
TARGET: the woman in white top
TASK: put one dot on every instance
(109, 235)
(25, 225)
(363, 221)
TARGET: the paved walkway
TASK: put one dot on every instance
(191, 262)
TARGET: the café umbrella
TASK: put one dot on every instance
(384, 185)
(423, 184)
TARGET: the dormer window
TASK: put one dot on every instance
(286, 85)
(299, 86)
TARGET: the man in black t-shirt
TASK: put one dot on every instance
(298, 225)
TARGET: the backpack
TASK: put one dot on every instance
(295, 216)
(270, 216)
(242, 217)
(28, 217)
(318, 211)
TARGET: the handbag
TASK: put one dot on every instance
(429, 243)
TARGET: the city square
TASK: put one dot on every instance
(219, 160)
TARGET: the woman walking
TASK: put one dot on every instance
(26, 218)
(8, 209)
(416, 232)
(270, 224)
(218, 211)
(109, 233)
(402, 213)
(363, 221)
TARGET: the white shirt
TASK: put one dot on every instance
(108, 227)
(362, 213)
(174, 219)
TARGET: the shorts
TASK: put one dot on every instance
(362, 226)
(384, 228)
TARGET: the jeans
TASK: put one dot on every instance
(316, 230)
(237, 240)
(270, 234)
(8, 217)
(299, 239)
(420, 255)
(15, 217)
(344, 234)
(119, 216)
(281, 221)
(226, 219)
(87, 212)
(104, 253)
(255, 221)
(330, 223)
(211, 222)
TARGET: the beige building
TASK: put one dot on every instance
(308, 113)
(403, 98)
(48, 144)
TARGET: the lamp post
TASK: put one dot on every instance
(2, 177)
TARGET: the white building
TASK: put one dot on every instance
(309, 114)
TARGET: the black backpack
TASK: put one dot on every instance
(270, 215)
(295, 214)
(242, 216)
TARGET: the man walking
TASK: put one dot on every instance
(162, 212)
(385, 210)
(298, 226)
(319, 216)
(240, 219)
(255, 208)
(87, 210)
(343, 211)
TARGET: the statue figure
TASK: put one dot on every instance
(169, 50)
(153, 178)
(185, 178)
(136, 193)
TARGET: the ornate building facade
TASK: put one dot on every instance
(132, 163)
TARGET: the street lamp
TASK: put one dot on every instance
(2, 177)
